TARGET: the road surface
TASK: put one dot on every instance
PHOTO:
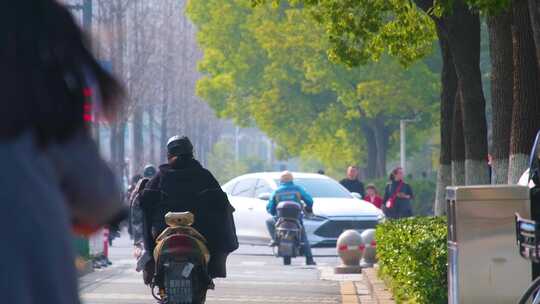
(255, 276)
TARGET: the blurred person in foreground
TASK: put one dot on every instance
(53, 177)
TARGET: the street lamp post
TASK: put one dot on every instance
(237, 144)
(402, 146)
(87, 15)
(402, 142)
(269, 151)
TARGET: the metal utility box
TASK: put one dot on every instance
(484, 265)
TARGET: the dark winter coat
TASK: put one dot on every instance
(42, 191)
(353, 186)
(187, 186)
(136, 214)
(402, 207)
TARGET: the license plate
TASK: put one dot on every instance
(179, 289)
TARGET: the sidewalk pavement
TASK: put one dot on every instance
(255, 276)
(364, 288)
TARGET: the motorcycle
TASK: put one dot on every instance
(181, 262)
(288, 231)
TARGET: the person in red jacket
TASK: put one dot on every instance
(373, 196)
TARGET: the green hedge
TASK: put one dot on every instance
(424, 194)
(412, 258)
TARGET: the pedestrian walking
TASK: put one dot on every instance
(53, 176)
(372, 196)
(397, 196)
(352, 183)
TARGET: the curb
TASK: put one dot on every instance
(379, 293)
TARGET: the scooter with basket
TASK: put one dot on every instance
(181, 262)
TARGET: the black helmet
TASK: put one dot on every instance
(149, 171)
(179, 145)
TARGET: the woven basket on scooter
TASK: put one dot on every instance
(180, 226)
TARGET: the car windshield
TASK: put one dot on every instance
(319, 187)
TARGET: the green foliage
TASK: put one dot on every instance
(412, 257)
(222, 163)
(224, 166)
(362, 31)
(490, 7)
(424, 194)
(269, 65)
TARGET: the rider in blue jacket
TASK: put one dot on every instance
(288, 191)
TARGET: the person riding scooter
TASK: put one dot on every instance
(184, 185)
(136, 214)
(288, 191)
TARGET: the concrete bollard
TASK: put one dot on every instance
(370, 252)
(350, 248)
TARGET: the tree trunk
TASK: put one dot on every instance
(534, 12)
(463, 30)
(448, 95)
(526, 111)
(164, 131)
(458, 142)
(382, 138)
(112, 146)
(151, 136)
(138, 144)
(121, 150)
(500, 42)
(117, 146)
(118, 41)
(371, 165)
